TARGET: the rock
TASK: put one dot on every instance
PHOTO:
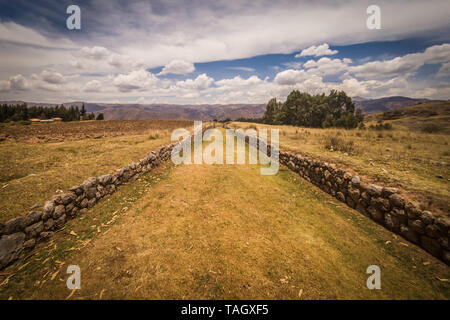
(417, 226)
(13, 225)
(59, 223)
(66, 198)
(48, 225)
(34, 230)
(397, 201)
(371, 163)
(340, 196)
(354, 194)
(431, 245)
(105, 179)
(91, 203)
(388, 149)
(78, 190)
(46, 235)
(48, 209)
(432, 231)
(29, 244)
(376, 214)
(374, 190)
(443, 223)
(11, 247)
(427, 217)
(84, 203)
(355, 181)
(31, 218)
(380, 203)
(387, 191)
(35, 206)
(412, 210)
(59, 211)
(91, 192)
(409, 234)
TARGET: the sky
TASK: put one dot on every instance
(198, 52)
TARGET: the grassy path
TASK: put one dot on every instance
(226, 232)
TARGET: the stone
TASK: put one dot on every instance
(374, 190)
(31, 218)
(91, 192)
(387, 191)
(29, 244)
(84, 203)
(59, 223)
(105, 179)
(340, 196)
(46, 235)
(59, 211)
(376, 214)
(91, 203)
(431, 245)
(11, 247)
(432, 231)
(412, 210)
(48, 209)
(88, 183)
(443, 223)
(48, 225)
(427, 217)
(396, 201)
(78, 190)
(13, 225)
(66, 198)
(34, 230)
(354, 194)
(35, 206)
(417, 226)
(409, 234)
(355, 181)
(380, 203)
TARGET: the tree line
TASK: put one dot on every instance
(21, 112)
(316, 111)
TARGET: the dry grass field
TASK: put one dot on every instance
(224, 232)
(40, 160)
(405, 156)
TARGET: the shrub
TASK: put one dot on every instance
(431, 128)
(339, 144)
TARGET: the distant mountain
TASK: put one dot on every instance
(385, 104)
(116, 111)
(134, 111)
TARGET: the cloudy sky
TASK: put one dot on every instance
(218, 51)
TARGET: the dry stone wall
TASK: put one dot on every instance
(22, 233)
(382, 204)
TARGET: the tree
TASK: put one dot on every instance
(100, 117)
(83, 112)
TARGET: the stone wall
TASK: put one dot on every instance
(22, 233)
(381, 204)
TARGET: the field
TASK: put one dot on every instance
(40, 160)
(224, 232)
(405, 156)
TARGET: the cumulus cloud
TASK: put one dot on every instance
(95, 53)
(178, 67)
(52, 77)
(202, 82)
(327, 66)
(317, 51)
(92, 86)
(135, 80)
(290, 77)
(18, 83)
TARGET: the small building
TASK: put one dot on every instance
(47, 120)
(35, 120)
(57, 119)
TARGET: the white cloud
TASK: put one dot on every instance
(95, 53)
(18, 82)
(135, 80)
(444, 70)
(178, 67)
(52, 77)
(327, 66)
(202, 82)
(93, 86)
(317, 51)
(290, 77)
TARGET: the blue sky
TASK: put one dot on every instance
(221, 52)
